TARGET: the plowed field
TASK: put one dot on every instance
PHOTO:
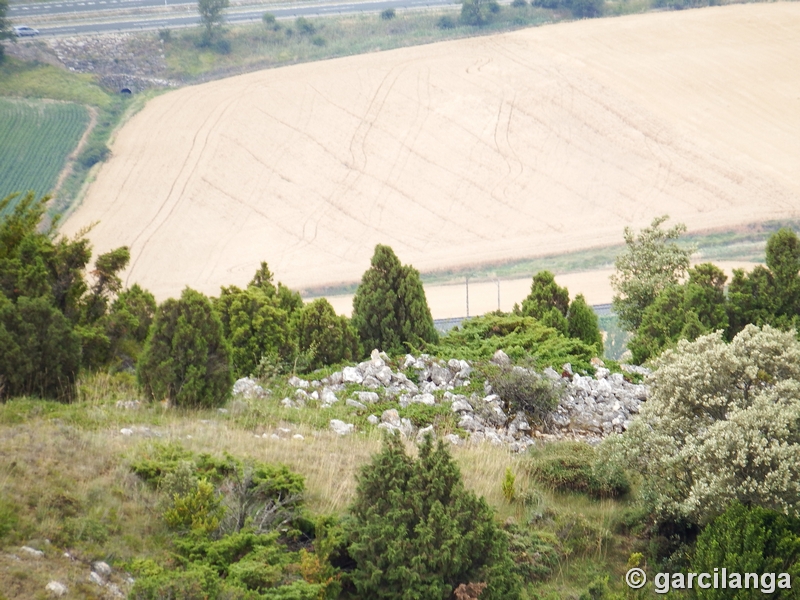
(534, 142)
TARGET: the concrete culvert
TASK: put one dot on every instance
(125, 91)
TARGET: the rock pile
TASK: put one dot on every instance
(590, 407)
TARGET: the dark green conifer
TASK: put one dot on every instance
(582, 324)
(186, 359)
(417, 533)
(390, 310)
(545, 295)
(325, 336)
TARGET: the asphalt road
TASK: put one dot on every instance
(67, 12)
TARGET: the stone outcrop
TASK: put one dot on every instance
(590, 407)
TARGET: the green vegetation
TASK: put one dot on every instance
(325, 337)
(720, 425)
(51, 321)
(34, 80)
(651, 262)
(271, 44)
(575, 467)
(212, 18)
(522, 338)
(5, 28)
(186, 359)
(749, 540)
(390, 311)
(523, 391)
(416, 532)
(36, 138)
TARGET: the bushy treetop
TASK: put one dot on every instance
(651, 262)
(722, 423)
(417, 533)
(390, 310)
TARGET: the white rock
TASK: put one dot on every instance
(328, 396)
(32, 551)
(296, 382)
(341, 428)
(352, 375)
(102, 568)
(96, 578)
(375, 358)
(56, 588)
(297, 436)
(425, 431)
(408, 361)
(461, 406)
(427, 399)
(367, 397)
(126, 431)
(314, 395)
(391, 417)
(355, 404)
(373, 420)
(500, 358)
(454, 439)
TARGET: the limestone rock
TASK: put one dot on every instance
(341, 428)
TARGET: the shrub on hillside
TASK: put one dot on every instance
(721, 424)
(388, 14)
(93, 154)
(574, 467)
(303, 25)
(405, 514)
(519, 337)
(525, 391)
(325, 336)
(446, 22)
(390, 311)
(186, 359)
(749, 540)
(582, 324)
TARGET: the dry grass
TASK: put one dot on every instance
(65, 482)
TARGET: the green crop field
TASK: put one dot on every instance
(36, 137)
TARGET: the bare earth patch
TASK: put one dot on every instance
(536, 142)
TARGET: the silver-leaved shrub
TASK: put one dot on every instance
(722, 423)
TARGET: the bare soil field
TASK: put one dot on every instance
(535, 142)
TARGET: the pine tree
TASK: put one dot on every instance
(327, 337)
(546, 295)
(390, 310)
(186, 359)
(417, 533)
(582, 324)
(255, 326)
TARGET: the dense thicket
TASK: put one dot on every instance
(416, 532)
(720, 425)
(390, 311)
(687, 309)
(186, 359)
(52, 322)
(749, 540)
(325, 337)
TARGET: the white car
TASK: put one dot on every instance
(24, 30)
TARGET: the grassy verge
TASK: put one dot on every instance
(255, 46)
(745, 243)
(65, 484)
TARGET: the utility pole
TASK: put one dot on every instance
(498, 294)
(468, 296)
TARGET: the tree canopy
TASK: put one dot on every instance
(416, 532)
(390, 311)
(651, 262)
(721, 425)
(186, 359)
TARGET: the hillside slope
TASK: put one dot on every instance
(485, 149)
